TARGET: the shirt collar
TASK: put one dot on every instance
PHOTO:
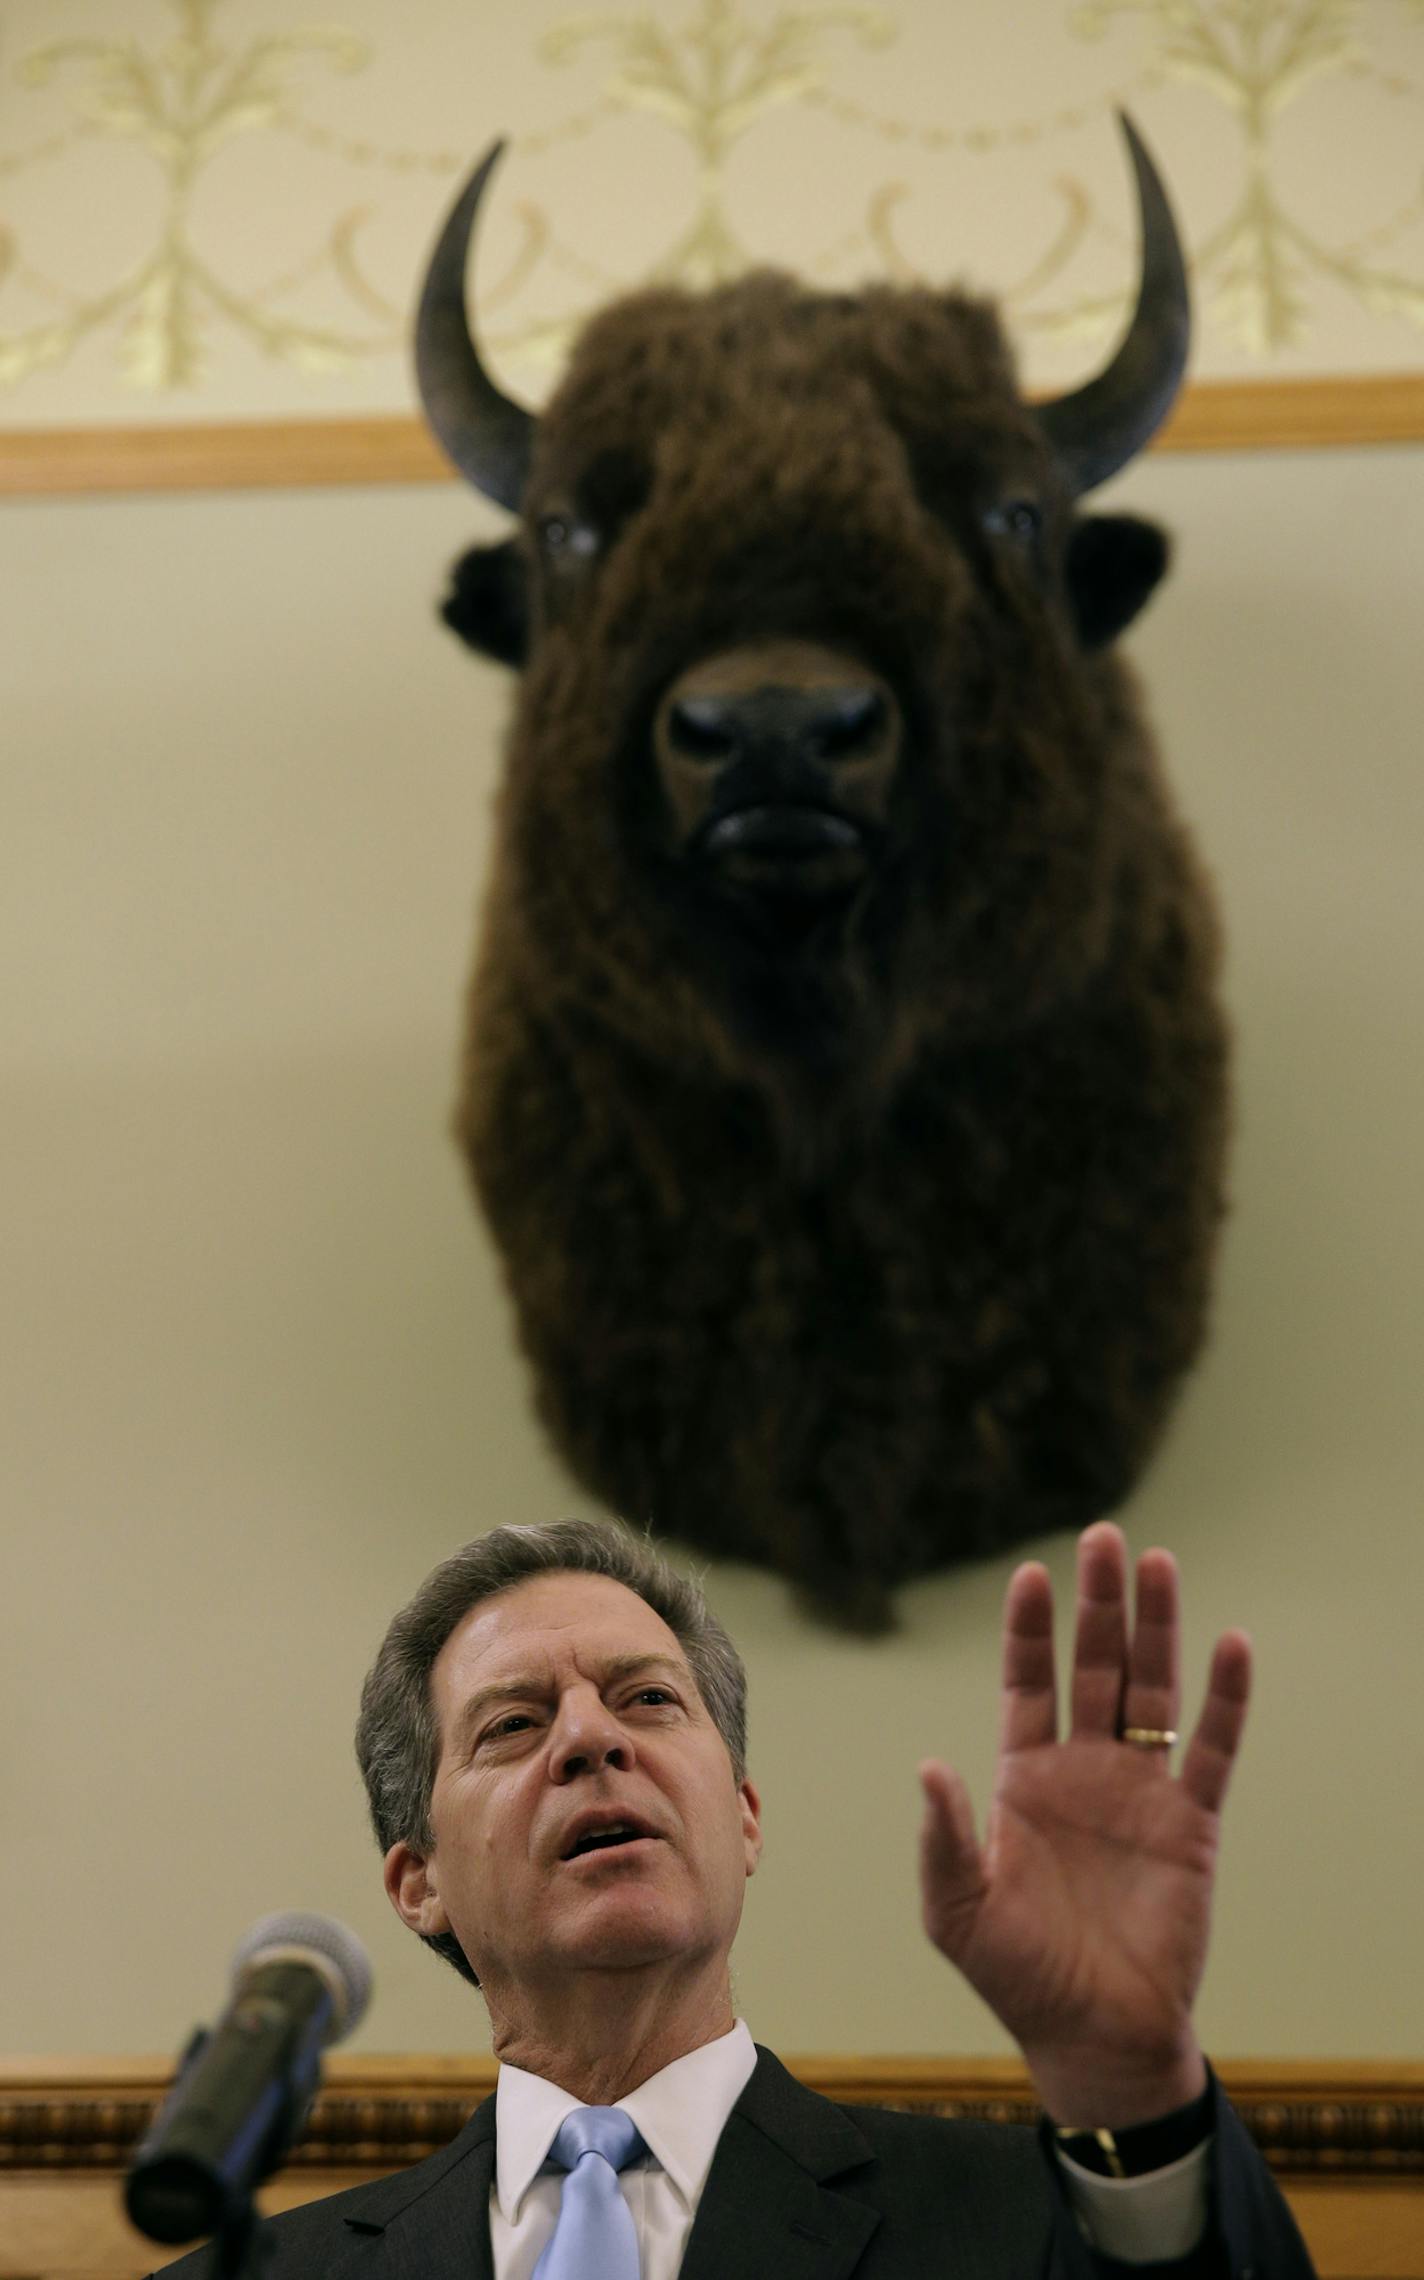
(681, 2113)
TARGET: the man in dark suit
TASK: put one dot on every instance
(553, 1741)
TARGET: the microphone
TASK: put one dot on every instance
(299, 1982)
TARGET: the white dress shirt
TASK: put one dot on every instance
(681, 2114)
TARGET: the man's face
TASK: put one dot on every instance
(584, 1809)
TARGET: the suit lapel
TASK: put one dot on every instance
(431, 2219)
(768, 2211)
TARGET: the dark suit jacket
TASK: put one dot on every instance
(801, 2189)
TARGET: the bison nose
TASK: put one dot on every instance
(844, 723)
(779, 741)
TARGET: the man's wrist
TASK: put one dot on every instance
(1141, 2147)
(1086, 2089)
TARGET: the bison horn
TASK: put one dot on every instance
(488, 436)
(1097, 428)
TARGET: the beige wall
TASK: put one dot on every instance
(228, 224)
(257, 1371)
(258, 1374)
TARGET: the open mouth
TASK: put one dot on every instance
(617, 1836)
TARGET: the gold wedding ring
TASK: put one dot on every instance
(1150, 1737)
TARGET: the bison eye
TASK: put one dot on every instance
(566, 538)
(1015, 518)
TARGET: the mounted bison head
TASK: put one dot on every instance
(845, 1077)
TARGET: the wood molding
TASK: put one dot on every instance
(1297, 415)
(1345, 2119)
(1215, 415)
(233, 455)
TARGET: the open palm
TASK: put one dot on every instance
(1083, 1919)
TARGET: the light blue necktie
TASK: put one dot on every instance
(595, 2237)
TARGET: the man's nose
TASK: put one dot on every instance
(586, 1739)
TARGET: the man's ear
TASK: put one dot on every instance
(411, 1890)
(750, 1800)
(488, 601)
(1113, 563)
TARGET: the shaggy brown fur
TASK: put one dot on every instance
(877, 1236)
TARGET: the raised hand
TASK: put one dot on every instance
(1083, 1919)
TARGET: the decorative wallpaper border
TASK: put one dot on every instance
(1222, 415)
(268, 188)
(1348, 2119)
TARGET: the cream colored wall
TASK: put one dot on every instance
(258, 1373)
(218, 207)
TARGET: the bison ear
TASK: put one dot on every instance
(487, 604)
(1114, 561)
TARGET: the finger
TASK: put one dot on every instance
(1211, 1754)
(1029, 1713)
(951, 1863)
(1153, 1694)
(1100, 1640)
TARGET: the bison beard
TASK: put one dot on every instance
(845, 1076)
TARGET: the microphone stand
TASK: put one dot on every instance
(243, 2246)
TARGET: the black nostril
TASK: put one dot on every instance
(705, 728)
(846, 722)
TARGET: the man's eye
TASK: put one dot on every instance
(515, 1723)
(654, 1696)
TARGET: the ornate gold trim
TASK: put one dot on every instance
(1348, 2119)
(1216, 415)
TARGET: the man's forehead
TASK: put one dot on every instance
(547, 1620)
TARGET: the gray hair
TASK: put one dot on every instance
(397, 1739)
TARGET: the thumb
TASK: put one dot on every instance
(951, 1863)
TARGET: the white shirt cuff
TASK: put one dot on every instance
(1142, 2220)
